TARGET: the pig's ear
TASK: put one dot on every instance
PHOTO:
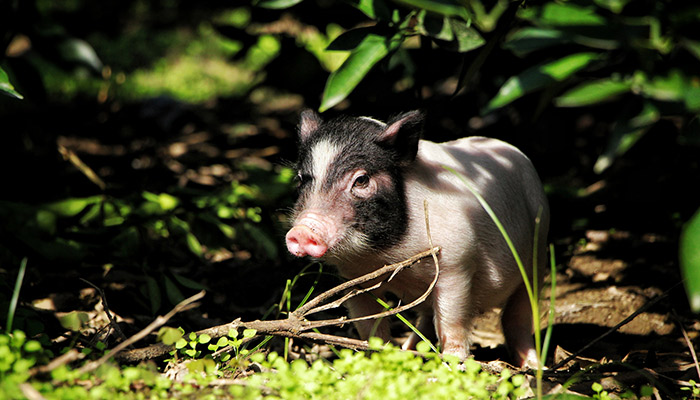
(310, 121)
(402, 134)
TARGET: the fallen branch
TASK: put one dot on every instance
(296, 326)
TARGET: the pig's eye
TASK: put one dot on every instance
(361, 182)
(303, 179)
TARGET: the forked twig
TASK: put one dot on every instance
(296, 326)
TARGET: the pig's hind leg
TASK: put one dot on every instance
(516, 320)
(424, 325)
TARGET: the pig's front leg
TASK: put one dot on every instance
(363, 305)
(453, 313)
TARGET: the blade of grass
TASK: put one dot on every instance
(552, 296)
(409, 325)
(15, 295)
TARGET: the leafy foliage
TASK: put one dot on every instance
(386, 373)
(638, 56)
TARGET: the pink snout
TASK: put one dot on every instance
(302, 241)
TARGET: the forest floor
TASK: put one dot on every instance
(605, 273)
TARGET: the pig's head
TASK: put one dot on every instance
(351, 193)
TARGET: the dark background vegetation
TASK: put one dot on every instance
(150, 154)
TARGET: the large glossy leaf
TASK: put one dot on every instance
(6, 87)
(689, 256)
(450, 8)
(369, 52)
(538, 77)
(593, 92)
(627, 131)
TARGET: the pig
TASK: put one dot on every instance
(362, 184)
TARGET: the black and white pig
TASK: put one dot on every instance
(362, 186)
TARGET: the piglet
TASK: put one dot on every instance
(362, 187)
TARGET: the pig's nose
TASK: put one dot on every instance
(303, 241)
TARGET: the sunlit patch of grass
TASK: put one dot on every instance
(192, 65)
(188, 78)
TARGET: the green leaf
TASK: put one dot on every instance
(192, 241)
(204, 338)
(435, 26)
(567, 14)
(169, 335)
(615, 6)
(74, 320)
(375, 9)
(369, 52)
(675, 87)
(538, 77)
(593, 92)
(181, 343)
(6, 87)
(452, 34)
(450, 8)
(172, 291)
(349, 40)
(692, 46)
(72, 207)
(689, 256)
(666, 88)
(164, 202)
(152, 292)
(628, 129)
(529, 39)
(187, 282)
(277, 4)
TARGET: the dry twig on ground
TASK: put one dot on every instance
(296, 325)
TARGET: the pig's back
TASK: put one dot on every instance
(471, 243)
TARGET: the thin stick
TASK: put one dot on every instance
(181, 306)
(688, 342)
(419, 300)
(112, 321)
(304, 310)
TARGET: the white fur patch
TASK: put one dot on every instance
(322, 154)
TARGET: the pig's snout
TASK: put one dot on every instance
(302, 241)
